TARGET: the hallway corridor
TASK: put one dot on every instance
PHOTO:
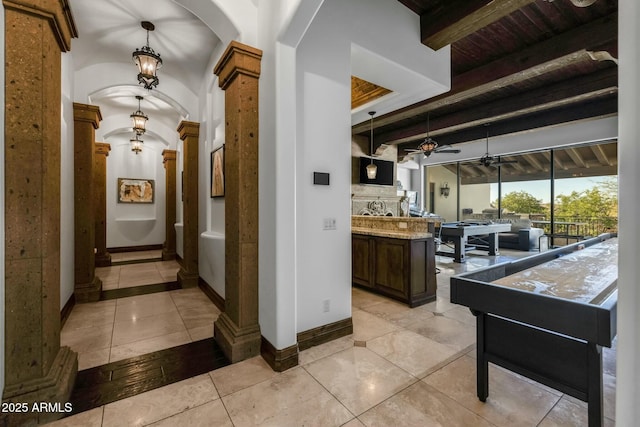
(401, 366)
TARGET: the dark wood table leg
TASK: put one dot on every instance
(460, 243)
(481, 362)
(493, 244)
(594, 385)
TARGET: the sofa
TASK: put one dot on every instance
(523, 236)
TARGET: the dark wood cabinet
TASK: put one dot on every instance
(403, 269)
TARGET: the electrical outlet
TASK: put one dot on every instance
(326, 306)
(329, 224)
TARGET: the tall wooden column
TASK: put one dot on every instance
(169, 246)
(86, 119)
(189, 134)
(237, 330)
(36, 367)
(103, 258)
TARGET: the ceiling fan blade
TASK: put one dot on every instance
(453, 150)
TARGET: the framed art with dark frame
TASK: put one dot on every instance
(217, 172)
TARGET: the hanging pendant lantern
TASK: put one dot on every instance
(139, 119)
(148, 61)
(136, 144)
(372, 169)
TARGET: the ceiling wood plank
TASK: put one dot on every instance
(598, 151)
(463, 17)
(602, 107)
(573, 91)
(552, 54)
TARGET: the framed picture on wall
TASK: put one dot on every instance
(217, 172)
(135, 190)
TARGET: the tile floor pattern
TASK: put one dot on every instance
(417, 369)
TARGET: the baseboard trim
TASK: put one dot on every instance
(215, 298)
(279, 360)
(66, 310)
(135, 248)
(325, 333)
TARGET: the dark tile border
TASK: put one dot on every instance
(134, 248)
(138, 290)
(108, 383)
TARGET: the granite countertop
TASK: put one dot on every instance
(394, 234)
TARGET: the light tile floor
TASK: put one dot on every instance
(417, 369)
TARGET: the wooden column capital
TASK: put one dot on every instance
(57, 13)
(103, 148)
(237, 59)
(87, 113)
(188, 129)
(168, 155)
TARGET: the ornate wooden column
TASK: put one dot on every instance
(237, 330)
(86, 119)
(169, 246)
(103, 258)
(189, 134)
(36, 367)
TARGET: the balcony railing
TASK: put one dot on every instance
(575, 228)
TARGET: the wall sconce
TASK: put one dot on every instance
(444, 190)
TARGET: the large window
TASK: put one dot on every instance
(570, 192)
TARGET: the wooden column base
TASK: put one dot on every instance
(54, 388)
(103, 260)
(237, 343)
(168, 255)
(88, 292)
(186, 279)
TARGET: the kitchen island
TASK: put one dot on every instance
(395, 257)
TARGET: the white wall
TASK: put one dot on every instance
(67, 202)
(135, 224)
(278, 256)
(341, 33)
(444, 206)
(211, 250)
(628, 368)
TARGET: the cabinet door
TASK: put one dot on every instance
(361, 268)
(391, 261)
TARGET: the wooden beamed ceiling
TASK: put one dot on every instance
(516, 65)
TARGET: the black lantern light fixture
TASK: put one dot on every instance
(444, 190)
(136, 144)
(147, 60)
(139, 119)
(372, 169)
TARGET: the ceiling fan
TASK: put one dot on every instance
(489, 160)
(429, 146)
